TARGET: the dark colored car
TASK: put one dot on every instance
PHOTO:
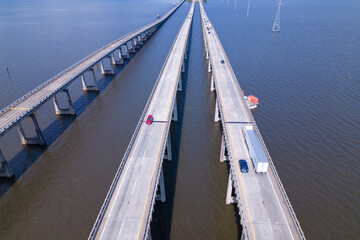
(149, 120)
(222, 61)
(243, 166)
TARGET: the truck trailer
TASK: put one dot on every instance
(256, 150)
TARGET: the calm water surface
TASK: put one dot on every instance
(307, 78)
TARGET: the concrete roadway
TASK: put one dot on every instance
(14, 113)
(261, 204)
(130, 208)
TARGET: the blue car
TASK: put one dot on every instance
(243, 166)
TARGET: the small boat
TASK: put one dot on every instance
(158, 16)
(251, 101)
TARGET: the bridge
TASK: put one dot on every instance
(264, 208)
(127, 210)
(114, 54)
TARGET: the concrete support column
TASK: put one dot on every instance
(136, 45)
(167, 154)
(223, 151)
(126, 55)
(207, 54)
(229, 197)
(64, 111)
(131, 47)
(180, 83)
(38, 140)
(209, 66)
(106, 71)
(217, 113)
(143, 36)
(161, 196)
(117, 62)
(183, 66)
(212, 83)
(175, 115)
(148, 34)
(86, 87)
(6, 171)
(139, 37)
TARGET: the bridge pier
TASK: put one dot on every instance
(212, 83)
(161, 196)
(229, 197)
(106, 71)
(223, 152)
(126, 55)
(139, 37)
(167, 154)
(183, 66)
(38, 140)
(130, 46)
(175, 114)
(6, 173)
(180, 83)
(217, 113)
(207, 54)
(148, 34)
(209, 66)
(143, 36)
(65, 111)
(86, 87)
(136, 45)
(117, 62)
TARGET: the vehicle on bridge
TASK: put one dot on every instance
(149, 120)
(243, 166)
(256, 150)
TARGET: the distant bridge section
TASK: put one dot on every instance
(25, 106)
(127, 209)
(264, 208)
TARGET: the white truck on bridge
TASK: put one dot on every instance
(256, 150)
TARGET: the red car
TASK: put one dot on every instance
(149, 120)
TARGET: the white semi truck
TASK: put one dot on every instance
(256, 150)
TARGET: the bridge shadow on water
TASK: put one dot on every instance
(28, 155)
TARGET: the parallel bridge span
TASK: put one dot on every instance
(25, 106)
(127, 209)
(264, 208)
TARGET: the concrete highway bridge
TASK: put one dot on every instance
(114, 53)
(264, 208)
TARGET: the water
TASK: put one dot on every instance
(306, 76)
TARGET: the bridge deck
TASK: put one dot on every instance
(127, 213)
(24, 106)
(262, 209)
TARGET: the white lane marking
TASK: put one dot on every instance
(114, 200)
(280, 207)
